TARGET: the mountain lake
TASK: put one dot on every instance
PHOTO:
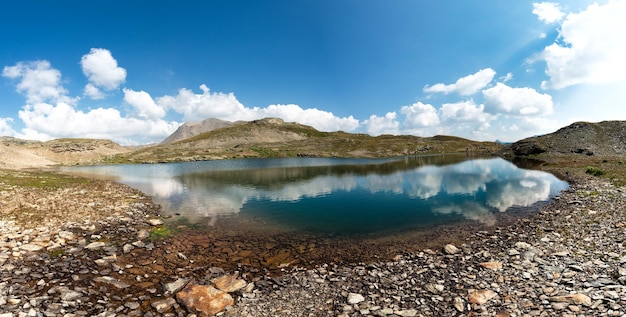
(335, 197)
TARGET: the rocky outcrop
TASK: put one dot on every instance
(581, 138)
(192, 129)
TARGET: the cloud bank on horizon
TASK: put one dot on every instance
(588, 52)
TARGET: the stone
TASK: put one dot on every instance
(481, 297)
(406, 313)
(95, 245)
(127, 248)
(31, 247)
(143, 234)
(229, 283)
(493, 265)
(459, 304)
(111, 281)
(70, 295)
(451, 249)
(354, 298)
(204, 300)
(163, 306)
(173, 287)
(66, 235)
(434, 288)
(155, 222)
(577, 299)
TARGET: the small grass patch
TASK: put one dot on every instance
(595, 171)
(160, 232)
(56, 253)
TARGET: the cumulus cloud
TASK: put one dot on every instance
(38, 81)
(467, 85)
(516, 101)
(319, 119)
(102, 72)
(195, 107)
(548, 12)
(44, 121)
(465, 111)
(591, 49)
(388, 124)
(5, 127)
(419, 115)
(144, 105)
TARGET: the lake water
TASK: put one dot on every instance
(343, 197)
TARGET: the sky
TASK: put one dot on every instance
(134, 71)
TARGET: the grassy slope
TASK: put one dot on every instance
(267, 138)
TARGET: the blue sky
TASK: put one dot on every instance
(133, 71)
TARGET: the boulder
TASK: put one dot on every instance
(204, 300)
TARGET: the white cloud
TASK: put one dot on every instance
(467, 85)
(419, 115)
(38, 82)
(44, 121)
(516, 101)
(319, 119)
(548, 12)
(196, 107)
(144, 104)
(5, 127)
(93, 92)
(102, 72)
(592, 48)
(465, 111)
(388, 124)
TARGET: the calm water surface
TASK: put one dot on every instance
(339, 196)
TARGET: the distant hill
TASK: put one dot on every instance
(272, 137)
(18, 153)
(605, 138)
(192, 129)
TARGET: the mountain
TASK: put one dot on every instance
(605, 138)
(192, 129)
(272, 137)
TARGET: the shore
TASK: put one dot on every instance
(75, 247)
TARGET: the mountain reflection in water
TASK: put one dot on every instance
(340, 195)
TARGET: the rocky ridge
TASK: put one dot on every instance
(580, 138)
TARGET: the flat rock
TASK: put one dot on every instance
(111, 281)
(481, 297)
(577, 299)
(31, 247)
(229, 283)
(451, 249)
(493, 265)
(354, 298)
(95, 245)
(163, 306)
(173, 287)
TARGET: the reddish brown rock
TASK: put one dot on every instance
(204, 300)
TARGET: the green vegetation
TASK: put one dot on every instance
(41, 179)
(594, 171)
(160, 232)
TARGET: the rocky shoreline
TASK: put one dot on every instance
(567, 260)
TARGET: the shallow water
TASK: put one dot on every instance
(338, 197)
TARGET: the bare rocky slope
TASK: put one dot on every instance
(192, 129)
(584, 138)
(18, 153)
